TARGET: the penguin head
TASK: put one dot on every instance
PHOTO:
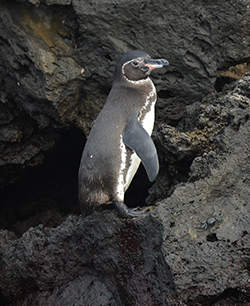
(137, 65)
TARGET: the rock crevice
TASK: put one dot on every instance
(56, 65)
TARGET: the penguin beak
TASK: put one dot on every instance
(151, 64)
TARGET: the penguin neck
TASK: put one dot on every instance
(142, 94)
(149, 104)
(139, 82)
(121, 77)
(124, 81)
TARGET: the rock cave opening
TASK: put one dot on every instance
(3, 301)
(45, 194)
(138, 190)
(48, 194)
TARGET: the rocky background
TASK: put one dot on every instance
(57, 59)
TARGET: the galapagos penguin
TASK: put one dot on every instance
(120, 137)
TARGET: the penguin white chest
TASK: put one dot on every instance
(148, 124)
(147, 113)
(129, 161)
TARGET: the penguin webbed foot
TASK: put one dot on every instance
(126, 212)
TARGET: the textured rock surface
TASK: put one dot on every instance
(58, 59)
(96, 261)
(39, 83)
(56, 66)
(165, 258)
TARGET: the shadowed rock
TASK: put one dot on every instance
(58, 59)
(57, 62)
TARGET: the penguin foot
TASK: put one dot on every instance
(125, 212)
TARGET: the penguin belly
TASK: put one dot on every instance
(148, 124)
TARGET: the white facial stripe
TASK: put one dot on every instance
(139, 60)
(143, 81)
(121, 184)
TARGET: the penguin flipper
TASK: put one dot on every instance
(136, 137)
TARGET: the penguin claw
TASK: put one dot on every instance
(125, 212)
(133, 213)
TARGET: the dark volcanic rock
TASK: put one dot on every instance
(100, 260)
(216, 259)
(166, 258)
(56, 65)
(218, 185)
(58, 58)
(198, 140)
(35, 77)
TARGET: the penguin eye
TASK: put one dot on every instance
(135, 63)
